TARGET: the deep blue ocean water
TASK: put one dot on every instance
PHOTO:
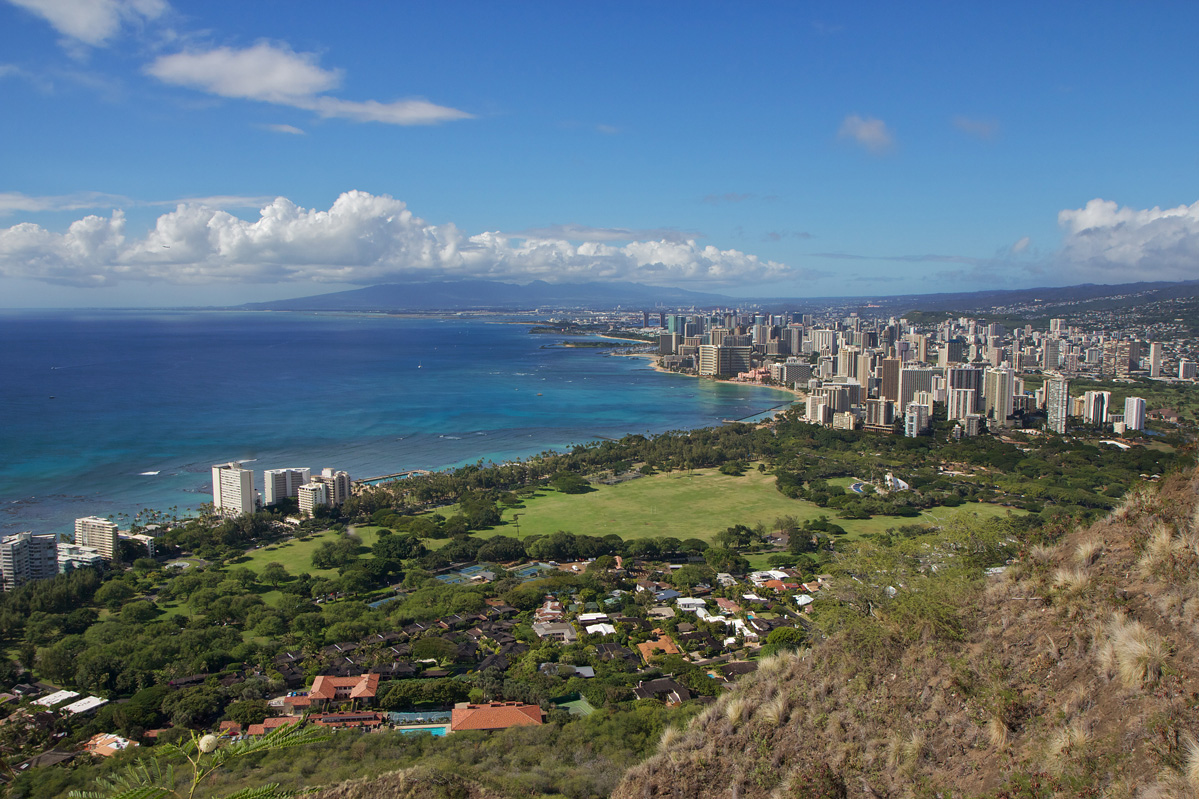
(109, 412)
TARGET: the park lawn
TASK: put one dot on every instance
(696, 504)
(296, 555)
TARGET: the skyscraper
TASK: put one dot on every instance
(280, 483)
(1155, 359)
(1134, 413)
(1096, 406)
(1057, 404)
(25, 557)
(999, 388)
(232, 489)
(99, 534)
(960, 403)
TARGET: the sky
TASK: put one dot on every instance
(213, 153)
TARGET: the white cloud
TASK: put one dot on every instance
(1105, 242)
(398, 112)
(12, 202)
(15, 202)
(361, 239)
(1021, 245)
(93, 22)
(291, 129)
(274, 73)
(869, 132)
(266, 72)
(978, 128)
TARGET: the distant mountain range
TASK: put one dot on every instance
(485, 295)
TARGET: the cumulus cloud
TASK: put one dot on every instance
(93, 22)
(361, 239)
(870, 133)
(978, 128)
(1021, 245)
(1106, 242)
(274, 73)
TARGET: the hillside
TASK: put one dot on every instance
(1071, 674)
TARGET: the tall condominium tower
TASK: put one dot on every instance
(1096, 406)
(99, 534)
(999, 389)
(1134, 413)
(232, 489)
(1155, 359)
(280, 483)
(25, 557)
(1057, 403)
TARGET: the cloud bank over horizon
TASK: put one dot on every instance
(362, 239)
(1105, 241)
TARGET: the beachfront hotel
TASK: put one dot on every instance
(278, 484)
(232, 489)
(99, 534)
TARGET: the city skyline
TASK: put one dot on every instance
(175, 154)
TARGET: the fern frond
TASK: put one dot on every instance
(285, 737)
(139, 792)
(270, 791)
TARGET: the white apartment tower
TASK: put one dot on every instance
(1057, 404)
(25, 557)
(999, 389)
(311, 495)
(1134, 413)
(960, 402)
(1155, 359)
(278, 484)
(1096, 405)
(99, 534)
(232, 489)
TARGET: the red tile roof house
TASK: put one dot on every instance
(495, 716)
(350, 719)
(269, 724)
(327, 691)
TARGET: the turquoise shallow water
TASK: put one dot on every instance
(109, 412)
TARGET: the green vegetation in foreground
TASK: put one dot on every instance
(683, 505)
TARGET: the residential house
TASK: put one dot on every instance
(495, 716)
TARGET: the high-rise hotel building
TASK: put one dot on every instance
(26, 556)
(278, 484)
(99, 534)
(232, 489)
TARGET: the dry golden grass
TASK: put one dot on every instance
(1071, 581)
(775, 711)
(1067, 742)
(736, 710)
(671, 736)
(1088, 552)
(1137, 652)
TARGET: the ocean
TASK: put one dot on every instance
(110, 412)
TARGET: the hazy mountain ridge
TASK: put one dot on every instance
(493, 295)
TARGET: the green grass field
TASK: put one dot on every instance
(696, 504)
(296, 555)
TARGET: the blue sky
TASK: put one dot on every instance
(219, 152)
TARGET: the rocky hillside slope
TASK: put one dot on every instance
(1073, 673)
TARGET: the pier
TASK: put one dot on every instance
(759, 413)
(393, 476)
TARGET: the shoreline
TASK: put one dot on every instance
(657, 367)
